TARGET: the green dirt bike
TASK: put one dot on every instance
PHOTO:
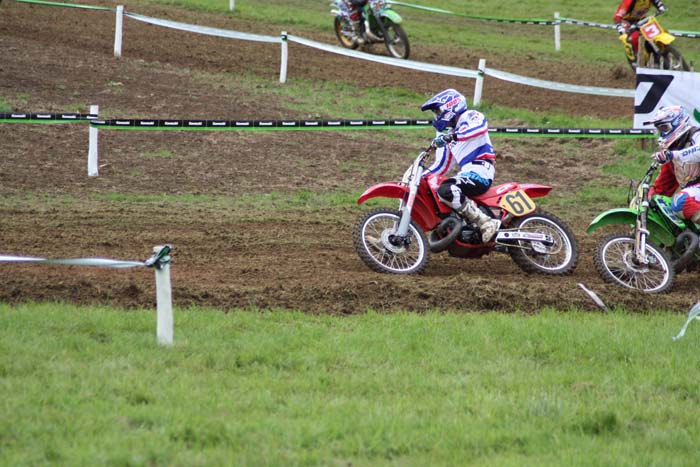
(381, 25)
(659, 246)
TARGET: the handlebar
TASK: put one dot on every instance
(448, 138)
(638, 24)
(652, 168)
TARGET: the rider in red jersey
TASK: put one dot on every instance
(631, 11)
(679, 144)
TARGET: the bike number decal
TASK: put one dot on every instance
(517, 203)
(651, 29)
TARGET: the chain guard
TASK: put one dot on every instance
(537, 241)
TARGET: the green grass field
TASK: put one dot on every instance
(90, 386)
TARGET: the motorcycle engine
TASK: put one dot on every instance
(469, 234)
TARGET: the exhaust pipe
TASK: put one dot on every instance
(685, 258)
(437, 244)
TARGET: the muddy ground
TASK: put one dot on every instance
(230, 250)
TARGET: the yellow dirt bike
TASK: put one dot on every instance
(655, 43)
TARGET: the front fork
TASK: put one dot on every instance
(406, 206)
(368, 27)
(641, 232)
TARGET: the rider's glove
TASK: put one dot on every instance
(662, 156)
(622, 28)
(661, 10)
(442, 140)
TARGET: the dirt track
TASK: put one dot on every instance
(227, 253)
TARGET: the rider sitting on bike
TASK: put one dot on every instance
(470, 149)
(679, 142)
(356, 8)
(631, 11)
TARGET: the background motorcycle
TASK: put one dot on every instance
(394, 241)
(380, 25)
(657, 49)
(659, 246)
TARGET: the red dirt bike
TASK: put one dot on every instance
(394, 241)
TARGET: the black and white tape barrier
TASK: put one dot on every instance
(46, 117)
(579, 22)
(339, 124)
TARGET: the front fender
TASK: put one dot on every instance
(422, 213)
(383, 190)
(625, 216)
(390, 14)
(620, 216)
(664, 38)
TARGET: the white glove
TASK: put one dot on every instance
(662, 156)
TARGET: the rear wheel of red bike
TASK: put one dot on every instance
(559, 258)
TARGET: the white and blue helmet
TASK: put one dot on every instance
(446, 105)
(671, 123)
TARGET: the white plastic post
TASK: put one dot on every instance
(231, 4)
(118, 31)
(283, 64)
(479, 86)
(557, 32)
(92, 145)
(164, 327)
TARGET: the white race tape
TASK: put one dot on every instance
(203, 29)
(692, 314)
(447, 70)
(420, 66)
(539, 83)
(74, 261)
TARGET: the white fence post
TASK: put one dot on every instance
(231, 4)
(479, 86)
(557, 32)
(283, 64)
(164, 326)
(92, 166)
(118, 31)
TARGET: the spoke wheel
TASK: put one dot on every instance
(380, 249)
(344, 35)
(559, 258)
(396, 40)
(615, 262)
(673, 60)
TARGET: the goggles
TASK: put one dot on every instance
(664, 128)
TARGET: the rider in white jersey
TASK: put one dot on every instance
(470, 151)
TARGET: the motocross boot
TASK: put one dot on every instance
(356, 25)
(357, 33)
(488, 226)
